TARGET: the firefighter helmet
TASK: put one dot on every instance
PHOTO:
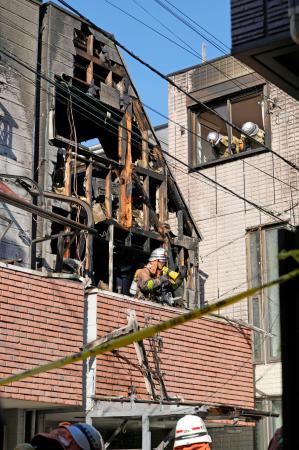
(158, 254)
(190, 430)
(86, 436)
(250, 128)
(213, 137)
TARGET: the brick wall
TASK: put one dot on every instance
(41, 320)
(205, 360)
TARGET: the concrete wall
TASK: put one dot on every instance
(205, 360)
(19, 21)
(41, 320)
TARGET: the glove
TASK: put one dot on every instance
(165, 270)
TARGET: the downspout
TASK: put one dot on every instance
(36, 133)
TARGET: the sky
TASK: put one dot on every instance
(212, 15)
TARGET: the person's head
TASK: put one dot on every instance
(191, 430)
(250, 128)
(158, 258)
(213, 137)
(78, 436)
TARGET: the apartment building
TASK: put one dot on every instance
(76, 221)
(240, 198)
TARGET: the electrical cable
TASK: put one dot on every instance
(172, 83)
(147, 106)
(223, 51)
(192, 52)
(163, 151)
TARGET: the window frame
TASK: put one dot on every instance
(267, 426)
(265, 347)
(194, 111)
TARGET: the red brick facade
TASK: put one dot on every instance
(205, 360)
(41, 320)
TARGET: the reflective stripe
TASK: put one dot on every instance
(150, 285)
(190, 436)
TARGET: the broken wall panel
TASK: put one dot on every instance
(19, 24)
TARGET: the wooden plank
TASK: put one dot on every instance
(142, 357)
(140, 116)
(120, 149)
(89, 71)
(153, 216)
(89, 239)
(150, 173)
(144, 158)
(162, 194)
(111, 247)
(117, 69)
(108, 197)
(67, 192)
(180, 218)
(126, 181)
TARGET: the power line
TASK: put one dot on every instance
(154, 110)
(199, 26)
(181, 125)
(262, 209)
(170, 81)
(223, 51)
(193, 52)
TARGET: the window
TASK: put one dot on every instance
(266, 427)
(262, 250)
(237, 109)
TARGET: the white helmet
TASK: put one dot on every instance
(213, 137)
(250, 128)
(158, 254)
(190, 430)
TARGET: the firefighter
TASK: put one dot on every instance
(220, 146)
(191, 434)
(78, 436)
(155, 281)
(251, 129)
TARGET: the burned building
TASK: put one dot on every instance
(86, 195)
(96, 210)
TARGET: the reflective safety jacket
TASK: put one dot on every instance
(148, 284)
(222, 147)
(197, 446)
(248, 144)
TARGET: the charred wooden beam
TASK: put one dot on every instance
(88, 194)
(153, 216)
(150, 173)
(89, 71)
(146, 215)
(126, 181)
(108, 197)
(140, 116)
(116, 68)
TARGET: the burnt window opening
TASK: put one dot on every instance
(213, 140)
(123, 178)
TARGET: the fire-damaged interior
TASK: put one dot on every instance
(109, 158)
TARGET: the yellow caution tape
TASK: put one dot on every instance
(145, 332)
